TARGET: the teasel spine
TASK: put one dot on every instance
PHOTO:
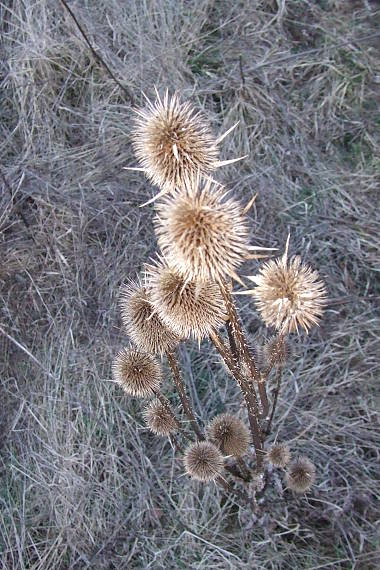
(177, 378)
(249, 397)
(242, 348)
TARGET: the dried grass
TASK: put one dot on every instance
(83, 483)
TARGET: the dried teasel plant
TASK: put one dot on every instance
(203, 236)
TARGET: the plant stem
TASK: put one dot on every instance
(275, 399)
(172, 360)
(237, 492)
(243, 468)
(242, 347)
(249, 396)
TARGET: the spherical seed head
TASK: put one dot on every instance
(137, 372)
(229, 434)
(276, 351)
(202, 233)
(160, 418)
(203, 461)
(279, 455)
(190, 309)
(173, 142)
(300, 475)
(289, 294)
(142, 323)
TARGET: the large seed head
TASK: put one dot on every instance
(142, 323)
(137, 372)
(160, 418)
(203, 461)
(300, 475)
(190, 309)
(173, 143)
(202, 233)
(229, 434)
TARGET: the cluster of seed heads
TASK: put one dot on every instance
(203, 236)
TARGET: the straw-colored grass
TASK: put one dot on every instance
(83, 484)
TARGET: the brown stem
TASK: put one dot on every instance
(275, 399)
(182, 394)
(249, 396)
(231, 338)
(242, 347)
(243, 468)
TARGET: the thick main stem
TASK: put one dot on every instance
(242, 347)
(248, 393)
(172, 360)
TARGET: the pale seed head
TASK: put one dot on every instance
(202, 233)
(229, 434)
(142, 323)
(160, 418)
(289, 294)
(138, 373)
(279, 455)
(300, 475)
(173, 143)
(190, 309)
(203, 461)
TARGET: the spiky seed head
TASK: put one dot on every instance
(173, 142)
(189, 308)
(300, 475)
(229, 434)
(202, 233)
(160, 418)
(289, 294)
(276, 351)
(279, 455)
(137, 372)
(203, 461)
(142, 323)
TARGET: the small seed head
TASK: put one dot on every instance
(279, 455)
(188, 308)
(142, 323)
(138, 373)
(300, 475)
(160, 418)
(202, 233)
(229, 434)
(276, 351)
(203, 461)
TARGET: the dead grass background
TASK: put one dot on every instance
(83, 483)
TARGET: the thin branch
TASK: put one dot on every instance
(275, 399)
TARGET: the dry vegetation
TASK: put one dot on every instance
(83, 482)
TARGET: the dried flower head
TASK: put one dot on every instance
(230, 434)
(142, 323)
(138, 373)
(279, 455)
(173, 143)
(276, 351)
(160, 418)
(203, 461)
(202, 233)
(190, 309)
(300, 475)
(288, 294)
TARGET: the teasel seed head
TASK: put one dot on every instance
(160, 418)
(300, 475)
(229, 434)
(202, 233)
(173, 143)
(279, 455)
(142, 323)
(276, 351)
(203, 461)
(137, 372)
(289, 294)
(190, 309)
